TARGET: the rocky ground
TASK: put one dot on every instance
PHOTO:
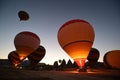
(13, 74)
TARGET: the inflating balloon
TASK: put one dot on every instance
(93, 57)
(14, 58)
(26, 42)
(37, 55)
(112, 59)
(76, 38)
(23, 15)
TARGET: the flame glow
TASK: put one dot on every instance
(80, 62)
(22, 57)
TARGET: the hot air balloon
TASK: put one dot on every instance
(25, 43)
(14, 58)
(37, 55)
(93, 57)
(112, 59)
(23, 15)
(76, 38)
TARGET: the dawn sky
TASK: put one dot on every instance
(47, 16)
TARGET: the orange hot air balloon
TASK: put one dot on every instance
(93, 57)
(26, 42)
(23, 15)
(37, 55)
(112, 59)
(14, 58)
(76, 38)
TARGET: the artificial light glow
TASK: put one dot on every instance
(72, 72)
(78, 49)
(80, 62)
(90, 72)
(23, 53)
(15, 64)
(22, 57)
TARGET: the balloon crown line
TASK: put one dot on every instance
(73, 21)
(77, 41)
(29, 33)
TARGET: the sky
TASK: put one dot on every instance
(47, 16)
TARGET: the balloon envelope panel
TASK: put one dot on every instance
(93, 54)
(76, 38)
(37, 55)
(14, 58)
(23, 15)
(75, 30)
(78, 49)
(93, 57)
(112, 59)
(25, 43)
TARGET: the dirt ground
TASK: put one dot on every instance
(12, 74)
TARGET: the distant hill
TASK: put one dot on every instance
(4, 63)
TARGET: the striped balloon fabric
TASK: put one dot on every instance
(37, 55)
(14, 58)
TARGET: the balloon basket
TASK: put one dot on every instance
(82, 70)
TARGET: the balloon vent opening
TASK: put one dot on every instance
(80, 62)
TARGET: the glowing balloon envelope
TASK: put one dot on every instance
(26, 42)
(14, 58)
(112, 59)
(76, 38)
(93, 57)
(37, 55)
(23, 15)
